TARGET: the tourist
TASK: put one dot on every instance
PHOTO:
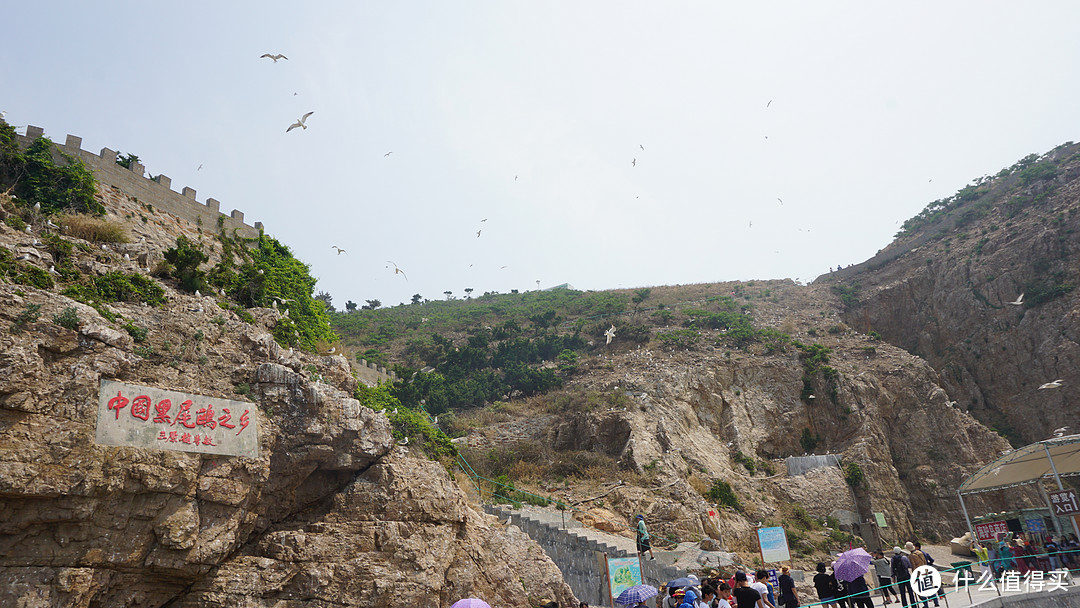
(788, 597)
(900, 567)
(825, 585)
(982, 555)
(929, 562)
(643, 543)
(708, 596)
(884, 577)
(761, 585)
(841, 588)
(745, 595)
(859, 593)
(723, 592)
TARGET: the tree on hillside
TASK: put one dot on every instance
(371, 304)
(350, 306)
(416, 298)
(327, 300)
(468, 293)
(126, 160)
(449, 294)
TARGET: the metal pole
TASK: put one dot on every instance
(1053, 467)
(966, 518)
(1053, 518)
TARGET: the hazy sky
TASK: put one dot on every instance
(530, 114)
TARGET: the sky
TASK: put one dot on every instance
(514, 145)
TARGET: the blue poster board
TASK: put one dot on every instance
(623, 573)
(773, 542)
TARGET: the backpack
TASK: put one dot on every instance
(899, 570)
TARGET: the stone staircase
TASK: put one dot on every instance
(574, 549)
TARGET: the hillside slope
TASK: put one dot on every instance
(943, 291)
(332, 512)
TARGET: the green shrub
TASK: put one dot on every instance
(808, 440)
(115, 286)
(69, 318)
(185, 259)
(853, 474)
(139, 334)
(37, 178)
(721, 493)
(29, 315)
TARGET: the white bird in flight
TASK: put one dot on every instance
(388, 153)
(633, 163)
(610, 333)
(398, 270)
(1061, 432)
(1019, 301)
(275, 57)
(1054, 384)
(339, 250)
(299, 123)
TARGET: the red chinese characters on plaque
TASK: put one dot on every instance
(146, 417)
(991, 530)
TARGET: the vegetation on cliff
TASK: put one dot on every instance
(35, 176)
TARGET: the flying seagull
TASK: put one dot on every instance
(398, 270)
(641, 146)
(768, 104)
(1054, 384)
(200, 168)
(388, 153)
(1061, 432)
(274, 57)
(478, 234)
(1019, 301)
(610, 333)
(781, 200)
(339, 250)
(299, 123)
(633, 163)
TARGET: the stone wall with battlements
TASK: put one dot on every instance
(157, 192)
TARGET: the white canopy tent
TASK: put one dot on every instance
(1051, 458)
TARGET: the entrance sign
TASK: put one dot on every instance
(146, 417)
(774, 546)
(1064, 502)
(623, 573)
(990, 530)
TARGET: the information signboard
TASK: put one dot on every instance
(774, 546)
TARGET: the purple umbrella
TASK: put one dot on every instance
(470, 602)
(852, 564)
(635, 594)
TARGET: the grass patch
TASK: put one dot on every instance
(94, 229)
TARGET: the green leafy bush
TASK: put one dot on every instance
(722, 493)
(68, 318)
(37, 177)
(115, 286)
(185, 259)
(29, 315)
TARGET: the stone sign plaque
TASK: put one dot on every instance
(145, 417)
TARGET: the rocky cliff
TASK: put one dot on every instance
(332, 512)
(982, 288)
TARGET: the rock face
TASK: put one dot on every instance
(331, 513)
(943, 292)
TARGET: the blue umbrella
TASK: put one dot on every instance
(681, 582)
(636, 594)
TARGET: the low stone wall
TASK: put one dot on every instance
(372, 374)
(577, 557)
(157, 191)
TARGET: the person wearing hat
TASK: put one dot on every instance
(901, 576)
(643, 543)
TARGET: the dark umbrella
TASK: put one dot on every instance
(852, 564)
(635, 594)
(681, 582)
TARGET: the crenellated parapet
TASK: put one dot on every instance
(157, 191)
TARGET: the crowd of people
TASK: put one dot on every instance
(893, 576)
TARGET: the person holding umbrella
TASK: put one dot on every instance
(636, 595)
